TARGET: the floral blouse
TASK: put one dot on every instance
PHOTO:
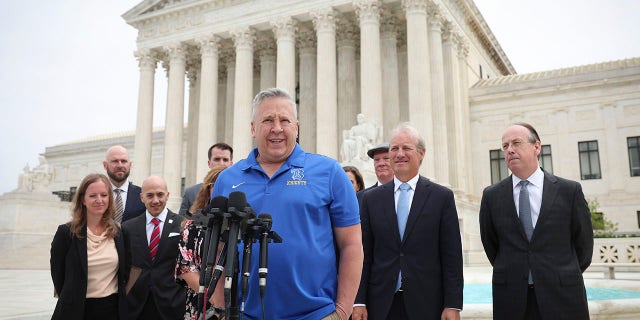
(189, 261)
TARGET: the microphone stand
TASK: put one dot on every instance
(238, 212)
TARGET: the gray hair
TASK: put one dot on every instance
(273, 93)
(412, 131)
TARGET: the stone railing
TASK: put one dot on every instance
(610, 254)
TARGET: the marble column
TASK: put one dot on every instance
(174, 123)
(390, 81)
(466, 175)
(266, 48)
(222, 102)
(208, 115)
(144, 120)
(440, 147)
(420, 111)
(243, 40)
(284, 30)
(348, 107)
(230, 63)
(403, 84)
(368, 12)
(452, 105)
(193, 70)
(306, 41)
(326, 111)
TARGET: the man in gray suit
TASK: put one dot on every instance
(219, 154)
(536, 231)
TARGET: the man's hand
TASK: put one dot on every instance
(450, 314)
(359, 313)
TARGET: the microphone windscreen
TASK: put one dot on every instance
(266, 220)
(219, 203)
(238, 200)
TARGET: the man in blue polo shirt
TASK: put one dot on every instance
(314, 209)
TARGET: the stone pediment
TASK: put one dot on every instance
(152, 8)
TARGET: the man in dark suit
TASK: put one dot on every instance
(118, 167)
(537, 235)
(151, 242)
(411, 238)
(219, 154)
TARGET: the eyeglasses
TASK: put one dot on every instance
(517, 144)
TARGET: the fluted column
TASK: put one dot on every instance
(172, 160)
(420, 111)
(348, 107)
(266, 48)
(230, 63)
(222, 101)
(390, 82)
(403, 84)
(440, 147)
(193, 75)
(243, 41)
(452, 105)
(284, 30)
(327, 93)
(208, 114)
(465, 118)
(368, 12)
(144, 122)
(306, 42)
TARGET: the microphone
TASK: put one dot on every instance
(214, 213)
(237, 213)
(246, 255)
(265, 228)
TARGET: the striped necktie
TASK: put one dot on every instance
(119, 206)
(155, 238)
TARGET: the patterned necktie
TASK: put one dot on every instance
(402, 214)
(155, 238)
(525, 209)
(119, 206)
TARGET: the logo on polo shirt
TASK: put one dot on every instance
(297, 176)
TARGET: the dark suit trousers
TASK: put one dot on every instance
(397, 311)
(150, 310)
(532, 312)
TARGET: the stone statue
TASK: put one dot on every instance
(360, 138)
(36, 179)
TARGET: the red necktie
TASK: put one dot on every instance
(155, 238)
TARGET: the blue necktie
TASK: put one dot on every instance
(402, 211)
(525, 214)
(402, 214)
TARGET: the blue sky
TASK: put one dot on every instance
(68, 70)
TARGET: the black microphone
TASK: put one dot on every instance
(237, 212)
(214, 213)
(249, 236)
(265, 228)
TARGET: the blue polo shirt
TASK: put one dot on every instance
(308, 196)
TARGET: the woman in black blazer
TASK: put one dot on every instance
(87, 257)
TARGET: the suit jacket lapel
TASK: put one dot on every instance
(549, 194)
(420, 197)
(388, 203)
(168, 227)
(81, 246)
(507, 197)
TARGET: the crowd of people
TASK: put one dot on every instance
(388, 251)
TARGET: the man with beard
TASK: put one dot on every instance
(125, 194)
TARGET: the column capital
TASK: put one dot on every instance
(367, 10)
(324, 19)
(266, 48)
(414, 6)
(284, 28)
(449, 31)
(347, 32)
(243, 38)
(176, 52)
(193, 71)
(434, 16)
(209, 45)
(388, 23)
(462, 46)
(306, 38)
(146, 58)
